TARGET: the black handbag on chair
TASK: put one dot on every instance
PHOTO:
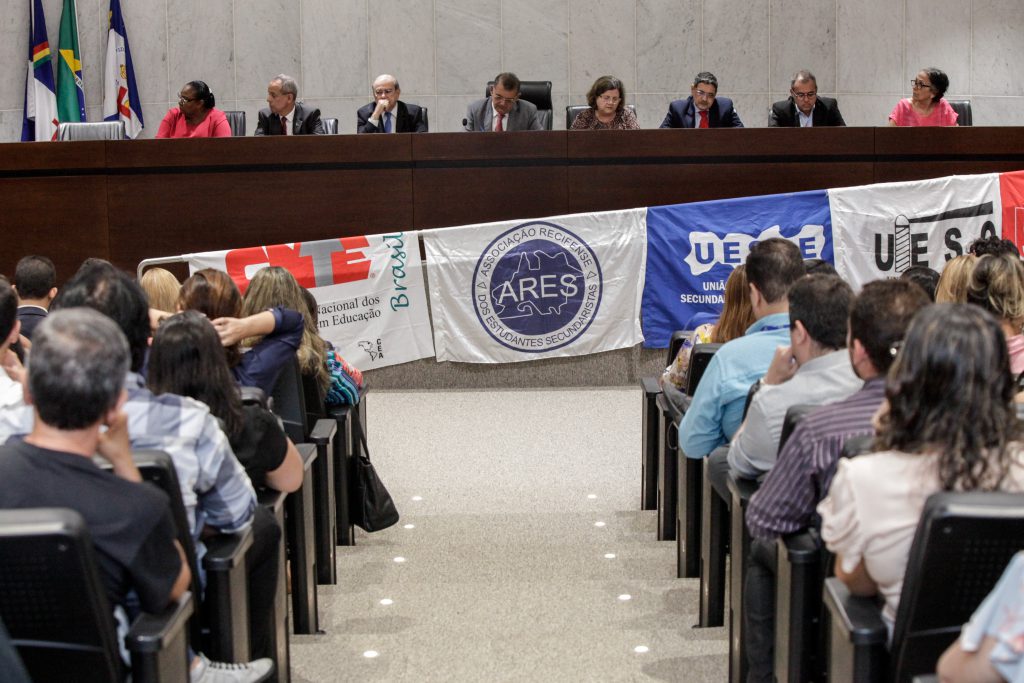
(370, 504)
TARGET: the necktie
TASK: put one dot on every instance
(703, 120)
(387, 122)
(284, 125)
(498, 128)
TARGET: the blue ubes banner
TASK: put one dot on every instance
(692, 248)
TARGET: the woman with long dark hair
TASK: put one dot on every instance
(188, 359)
(948, 424)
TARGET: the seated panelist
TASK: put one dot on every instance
(196, 115)
(926, 105)
(285, 116)
(388, 114)
(805, 108)
(703, 108)
(503, 110)
(607, 100)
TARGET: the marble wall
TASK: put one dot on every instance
(443, 51)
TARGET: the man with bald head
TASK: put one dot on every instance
(286, 116)
(388, 114)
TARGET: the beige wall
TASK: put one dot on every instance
(443, 51)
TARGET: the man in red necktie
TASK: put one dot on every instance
(703, 108)
(503, 110)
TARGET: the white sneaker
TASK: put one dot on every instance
(224, 672)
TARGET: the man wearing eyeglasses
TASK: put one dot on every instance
(285, 116)
(703, 108)
(805, 108)
(503, 111)
(388, 114)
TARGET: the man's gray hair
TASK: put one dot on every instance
(77, 367)
(288, 85)
(803, 75)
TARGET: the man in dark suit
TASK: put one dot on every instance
(285, 116)
(804, 108)
(387, 114)
(35, 281)
(703, 108)
(503, 110)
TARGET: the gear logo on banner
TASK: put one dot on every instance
(537, 287)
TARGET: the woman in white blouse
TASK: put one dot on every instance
(947, 424)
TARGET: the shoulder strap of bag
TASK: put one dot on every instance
(357, 428)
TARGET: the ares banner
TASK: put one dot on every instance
(881, 230)
(372, 303)
(523, 290)
(692, 249)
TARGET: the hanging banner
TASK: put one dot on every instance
(692, 249)
(1011, 192)
(523, 290)
(881, 230)
(369, 289)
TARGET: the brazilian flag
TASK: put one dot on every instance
(70, 88)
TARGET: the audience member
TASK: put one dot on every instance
(717, 407)
(927, 278)
(737, 316)
(35, 280)
(284, 115)
(817, 266)
(76, 387)
(196, 115)
(161, 288)
(991, 647)
(926, 106)
(346, 380)
(993, 245)
(13, 374)
(948, 424)
(813, 370)
(388, 114)
(188, 359)
(703, 108)
(215, 295)
(608, 111)
(952, 287)
(997, 285)
(503, 110)
(805, 108)
(787, 498)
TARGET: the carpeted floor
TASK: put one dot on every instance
(528, 558)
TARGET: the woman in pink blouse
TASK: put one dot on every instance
(195, 116)
(926, 106)
(607, 100)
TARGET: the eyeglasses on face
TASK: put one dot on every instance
(805, 95)
(704, 93)
(384, 91)
(920, 84)
(185, 100)
(498, 99)
(610, 99)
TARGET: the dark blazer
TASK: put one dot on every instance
(305, 121)
(30, 317)
(681, 114)
(408, 119)
(825, 113)
(480, 115)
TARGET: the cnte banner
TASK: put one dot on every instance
(369, 290)
(522, 290)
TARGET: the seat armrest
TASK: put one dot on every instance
(224, 552)
(323, 431)
(860, 619)
(926, 679)
(150, 633)
(741, 488)
(253, 396)
(307, 452)
(650, 385)
(272, 499)
(666, 406)
(800, 547)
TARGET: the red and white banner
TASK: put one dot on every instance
(1011, 190)
(373, 305)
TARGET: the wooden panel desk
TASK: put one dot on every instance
(131, 200)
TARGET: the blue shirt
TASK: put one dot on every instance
(717, 408)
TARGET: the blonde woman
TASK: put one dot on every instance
(952, 287)
(161, 288)
(997, 285)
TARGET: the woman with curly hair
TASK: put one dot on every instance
(997, 285)
(948, 424)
